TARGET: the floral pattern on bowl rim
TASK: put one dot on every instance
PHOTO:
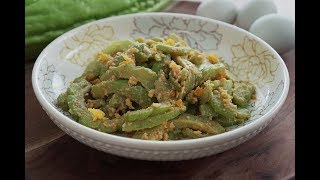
(246, 54)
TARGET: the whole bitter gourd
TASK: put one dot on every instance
(45, 20)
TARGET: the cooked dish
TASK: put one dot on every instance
(157, 89)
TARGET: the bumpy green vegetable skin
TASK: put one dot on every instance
(163, 87)
(144, 75)
(161, 109)
(207, 93)
(95, 67)
(211, 71)
(118, 46)
(29, 2)
(243, 92)
(79, 87)
(137, 93)
(78, 109)
(218, 105)
(143, 54)
(175, 51)
(161, 96)
(226, 122)
(243, 113)
(110, 125)
(156, 67)
(144, 113)
(63, 102)
(96, 103)
(185, 84)
(76, 103)
(116, 100)
(45, 20)
(225, 84)
(188, 65)
(189, 133)
(207, 110)
(138, 114)
(190, 74)
(198, 123)
(151, 121)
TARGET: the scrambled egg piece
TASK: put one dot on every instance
(176, 69)
(198, 91)
(221, 75)
(154, 50)
(103, 57)
(156, 105)
(179, 103)
(212, 58)
(97, 114)
(129, 103)
(169, 42)
(133, 81)
(151, 93)
(127, 60)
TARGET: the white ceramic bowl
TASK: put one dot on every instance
(249, 57)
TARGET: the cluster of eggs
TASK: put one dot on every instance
(257, 16)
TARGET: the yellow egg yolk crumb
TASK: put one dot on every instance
(151, 93)
(198, 91)
(129, 103)
(169, 42)
(212, 58)
(179, 103)
(176, 69)
(168, 125)
(165, 136)
(156, 105)
(127, 60)
(97, 114)
(154, 50)
(222, 75)
(103, 57)
(133, 81)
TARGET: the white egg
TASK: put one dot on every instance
(253, 10)
(278, 31)
(222, 10)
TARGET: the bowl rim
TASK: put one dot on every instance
(152, 144)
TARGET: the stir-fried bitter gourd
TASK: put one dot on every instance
(159, 89)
